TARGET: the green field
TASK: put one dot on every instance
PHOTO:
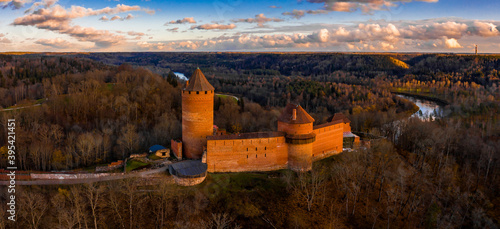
(153, 157)
(134, 164)
(227, 96)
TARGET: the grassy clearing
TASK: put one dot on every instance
(134, 164)
(227, 96)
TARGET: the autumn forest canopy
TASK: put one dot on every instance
(76, 111)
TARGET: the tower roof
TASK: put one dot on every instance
(198, 82)
(301, 116)
(338, 117)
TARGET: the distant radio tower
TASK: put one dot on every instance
(476, 49)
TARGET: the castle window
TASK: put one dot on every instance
(265, 148)
(190, 92)
(255, 148)
(197, 92)
(247, 155)
(206, 92)
(247, 149)
(255, 155)
(265, 155)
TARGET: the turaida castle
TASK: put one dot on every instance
(296, 144)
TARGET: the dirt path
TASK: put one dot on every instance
(82, 181)
(19, 108)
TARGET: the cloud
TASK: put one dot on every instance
(185, 20)
(295, 13)
(116, 17)
(135, 34)
(58, 43)
(43, 3)
(59, 19)
(275, 7)
(485, 29)
(366, 6)
(173, 30)
(3, 39)
(104, 18)
(433, 34)
(260, 19)
(14, 4)
(452, 43)
(214, 27)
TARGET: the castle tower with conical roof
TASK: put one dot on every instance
(298, 126)
(197, 115)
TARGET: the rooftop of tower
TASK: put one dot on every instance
(198, 82)
(301, 116)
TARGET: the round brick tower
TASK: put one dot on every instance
(197, 115)
(298, 126)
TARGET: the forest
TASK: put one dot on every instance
(81, 110)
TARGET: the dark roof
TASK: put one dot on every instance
(335, 119)
(189, 168)
(156, 148)
(247, 136)
(198, 82)
(338, 117)
(327, 124)
(302, 115)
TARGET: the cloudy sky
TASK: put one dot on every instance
(259, 25)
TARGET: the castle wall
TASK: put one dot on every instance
(347, 127)
(176, 148)
(329, 140)
(299, 157)
(295, 129)
(188, 181)
(197, 121)
(239, 155)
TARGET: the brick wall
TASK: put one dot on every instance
(238, 155)
(176, 148)
(197, 121)
(182, 181)
(295, 128)
(299, 157)
(329, 140)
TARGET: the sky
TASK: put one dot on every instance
(451, 26)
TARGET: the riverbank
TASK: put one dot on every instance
(439, 101)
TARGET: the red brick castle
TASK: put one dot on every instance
(296, 144)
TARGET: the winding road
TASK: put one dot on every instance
(117, 176)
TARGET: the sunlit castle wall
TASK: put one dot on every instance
(298, 126)
(299, 139)
(247, 152)
(197, 115)
(329, 140)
